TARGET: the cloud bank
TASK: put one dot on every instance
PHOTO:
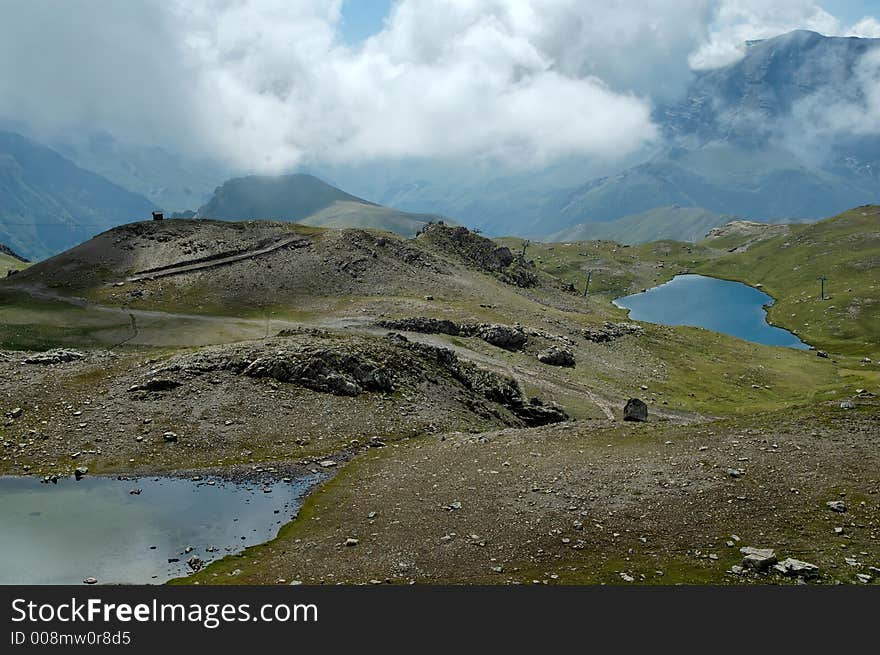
(267, 85)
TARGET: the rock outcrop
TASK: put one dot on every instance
(479, 252)
(352, 367)
(57, 356)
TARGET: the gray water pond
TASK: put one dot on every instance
(721, 305)
(96, 527)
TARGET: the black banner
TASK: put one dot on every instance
(137, 619)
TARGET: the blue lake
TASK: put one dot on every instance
(719, 305)
(97, 527)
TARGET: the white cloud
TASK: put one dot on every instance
(868, 27)
(444, 79)
(852, 109)
(268, 85)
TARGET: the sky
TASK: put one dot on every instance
(270, 85)
(363, 18)
(849, 11)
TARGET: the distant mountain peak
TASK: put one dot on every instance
(740, 102)
(304, 198)
(290, 197)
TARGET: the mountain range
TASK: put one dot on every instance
(738, 143)
(761, 139)
(753, 138)
(47, 203)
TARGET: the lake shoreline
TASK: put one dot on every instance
(716, 304)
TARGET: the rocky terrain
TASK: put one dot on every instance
(594, 503)
(484, 420)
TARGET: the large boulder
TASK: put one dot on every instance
(503, 336)
(635, 410)
(556, 356)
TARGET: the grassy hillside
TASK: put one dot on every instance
(846, 250)
(9, 263)
(10, 260)
(785, 259)
(617, 269)
(674, 223)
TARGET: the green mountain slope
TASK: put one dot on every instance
(10, 261)
(48, 204)
(846, 250)
(674, 223)
(762, 184)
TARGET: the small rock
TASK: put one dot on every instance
(327, 463)
(836, 506)
(847, 404)
(170, 437)
(735, 473)
(822, 354)
(864, 578)
(796, 568)
(759, 559)
(80, 471)
(195, 563)
(90, 580)
(351, 541)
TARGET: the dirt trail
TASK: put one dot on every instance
(240, 328)
(191, 266)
